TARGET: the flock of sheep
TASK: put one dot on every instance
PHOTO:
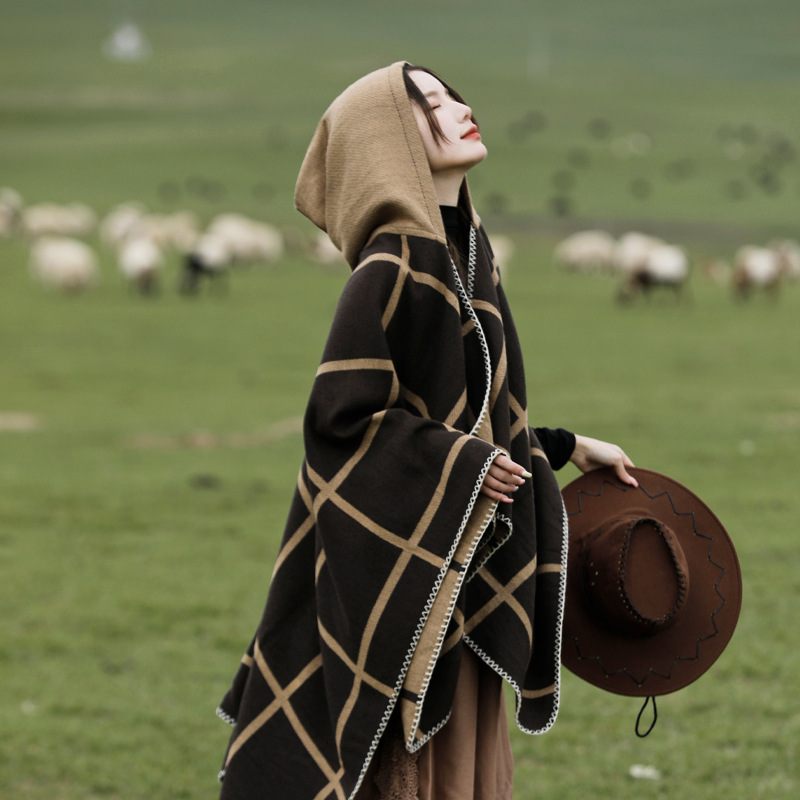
(62, 258)
(141, 241)
(647, 262)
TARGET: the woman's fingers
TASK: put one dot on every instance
(503, 479)
(590, 454)
(497, 490)
(500, 485)
(622, 473)
(504, 476)
(505, 464)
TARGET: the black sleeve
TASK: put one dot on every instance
(557, 443)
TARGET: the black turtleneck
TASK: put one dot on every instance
(457, 229)
(557, 443)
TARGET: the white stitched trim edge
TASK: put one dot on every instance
(510, 529)
(421, 624)
(411, 744)
(225, 717)
(562, 590)
(487, 359)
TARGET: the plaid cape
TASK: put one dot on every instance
(392, 561)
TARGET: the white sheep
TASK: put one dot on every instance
(62, 263)
(214, 252)
(117, 225)
(757, 268)
(325, 251)
(178, 231)
(789, 252)
(665, 265)
(248, 240)
(585, 251)
(71, 220)
(632, 250)
(141, 262)
(503, 249)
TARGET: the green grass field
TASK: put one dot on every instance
(143, 499)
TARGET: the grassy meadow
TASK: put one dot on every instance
(149, 447)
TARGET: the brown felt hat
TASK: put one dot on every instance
(653, 584)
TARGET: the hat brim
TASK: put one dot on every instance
(675, 656)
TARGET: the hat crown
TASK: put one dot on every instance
(634, 575)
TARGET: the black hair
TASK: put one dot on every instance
(422, 103)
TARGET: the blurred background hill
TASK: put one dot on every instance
(631, 110)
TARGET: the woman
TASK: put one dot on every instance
(423, 558)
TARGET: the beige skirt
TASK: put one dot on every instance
(468, 759)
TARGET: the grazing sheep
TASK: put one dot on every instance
(10, 211)
(141, 262)
(140, 240)
(65, 264)
(632, 251)
(789, 252)
(71, 220)
(177, 231)
(118, 224)
(210, 258)
(229, 239)
(585, 251)
(757, 268)
(248, 240)
(665, 266)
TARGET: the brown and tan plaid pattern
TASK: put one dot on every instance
(391, 559)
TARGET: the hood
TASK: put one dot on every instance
(366, 171)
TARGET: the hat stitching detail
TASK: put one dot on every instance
(683, 583)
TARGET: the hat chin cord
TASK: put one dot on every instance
(639, 717)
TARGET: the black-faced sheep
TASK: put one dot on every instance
(230, 239)
(665, 267)
(209, 259)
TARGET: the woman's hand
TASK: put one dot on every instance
(503, 479)
(592, 454)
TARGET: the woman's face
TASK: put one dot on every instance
(462, 147)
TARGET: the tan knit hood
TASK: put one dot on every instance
(366, 171)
